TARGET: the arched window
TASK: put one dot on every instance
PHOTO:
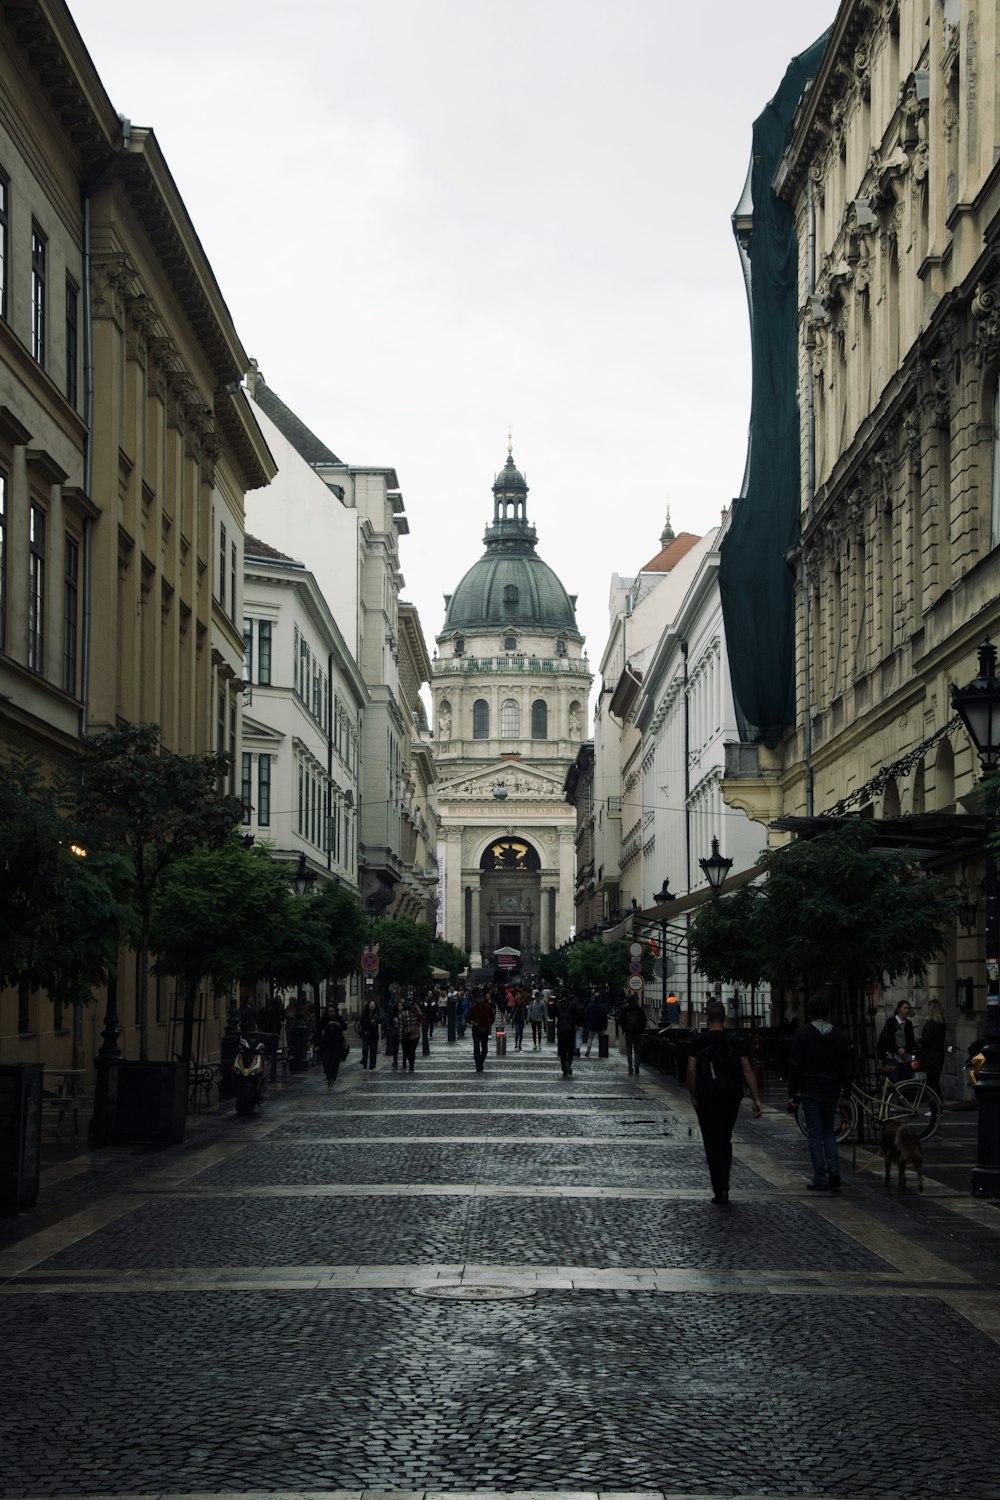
(480, 719)
(510, 719)
(539, 720)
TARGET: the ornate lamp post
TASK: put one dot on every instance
(303, 879)
(978, 706)
(662, 897)
(715, 868)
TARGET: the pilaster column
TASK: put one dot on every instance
(474, 931)
(565, 903)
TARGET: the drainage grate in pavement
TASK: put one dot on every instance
(457, 1292)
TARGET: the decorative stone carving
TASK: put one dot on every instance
(109, 280)
(939, 399)
(985, 308)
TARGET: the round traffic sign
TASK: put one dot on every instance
(635, 950)
(635, 967)
(635, 981)
(369, 962)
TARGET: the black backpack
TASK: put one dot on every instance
(719, 1071)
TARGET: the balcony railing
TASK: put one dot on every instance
(512, 663)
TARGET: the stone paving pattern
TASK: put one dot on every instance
(818, 1326)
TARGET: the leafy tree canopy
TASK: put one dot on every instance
(831, 911)
(404, 950)
(448, 956)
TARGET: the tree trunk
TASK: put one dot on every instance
(142, 990)
(187, 1034)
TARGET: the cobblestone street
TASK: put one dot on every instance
(513, 1282)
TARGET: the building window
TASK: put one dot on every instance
(222, 567)
(38, 248)
(246, 786)
(232, 579)
(36, 588)
(539, 720)
(72, 342)
(263, 791)
(71, 596)
(459, 644)
(233, 737)
(3, 561)
(4, 241)
(510, 643)
(248, 652)
(560, 648)
(264, 653)
(220, 737)
(510, 719)
(480, 719)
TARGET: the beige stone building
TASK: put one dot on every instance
(893, 183)
(126, 448)
(510, 684)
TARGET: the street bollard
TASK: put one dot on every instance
(501, 1041)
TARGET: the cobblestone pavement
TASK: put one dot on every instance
(459, 1287)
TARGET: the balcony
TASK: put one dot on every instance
(477, 665)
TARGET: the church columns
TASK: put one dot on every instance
(475, 929)
(545, 896)
(565, 899)
(454, 890)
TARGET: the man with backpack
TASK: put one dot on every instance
(632, 1020)
(718, 1067)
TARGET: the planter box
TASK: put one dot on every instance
(138, 1101)
(20, 1135)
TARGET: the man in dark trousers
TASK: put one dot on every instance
(819, 1075)
(481, 1020)
(632, 1020)
(718, 1067)
(568, 1014)
(597, 1023)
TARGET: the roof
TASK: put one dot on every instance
(669, 556)
(304, 441)
(254, 547)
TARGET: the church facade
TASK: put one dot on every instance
(510, 684)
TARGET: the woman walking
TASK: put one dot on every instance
(330, 1042)
(537, 1012)
(932, 1045)
(519, 1015)
(369, 1026)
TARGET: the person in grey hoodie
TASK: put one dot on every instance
(819, 1075)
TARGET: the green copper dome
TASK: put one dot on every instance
(510, 584)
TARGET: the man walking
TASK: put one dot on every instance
(632, 1021)
(718, 1067)
(410, 1025)
(567, 1020)
(480, 1019)
(597, 1023)
(819, 1074)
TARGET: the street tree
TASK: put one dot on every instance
(832, 913)
(155, 807)
(449, 957)
(63, 911)
(346, 925)
(605, 965)
(217, 914)
(404, 950)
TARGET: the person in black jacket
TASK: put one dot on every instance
(819, 1074)
(330, 1042)
(897, 1042)
(932, 1045)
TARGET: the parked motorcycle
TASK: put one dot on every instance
(250, 1077)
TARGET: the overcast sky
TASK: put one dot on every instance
(432, 218)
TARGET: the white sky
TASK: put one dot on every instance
(432, 218)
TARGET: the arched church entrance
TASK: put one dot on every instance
(510, 885)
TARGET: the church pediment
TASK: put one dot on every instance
(521, 782)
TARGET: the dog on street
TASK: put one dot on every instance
(901, 1149)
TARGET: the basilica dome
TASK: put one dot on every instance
(510, 585)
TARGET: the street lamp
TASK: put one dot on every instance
(716, 867)
(978, 706)
(303, 879)
(662, 897)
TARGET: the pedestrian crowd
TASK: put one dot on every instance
(719, 1070)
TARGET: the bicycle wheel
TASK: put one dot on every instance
(846, 1124)
(914, 1104)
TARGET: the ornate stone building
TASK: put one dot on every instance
(510, 685)
(891, 185)
(126, 450)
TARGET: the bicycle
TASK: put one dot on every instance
(910, 1102)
